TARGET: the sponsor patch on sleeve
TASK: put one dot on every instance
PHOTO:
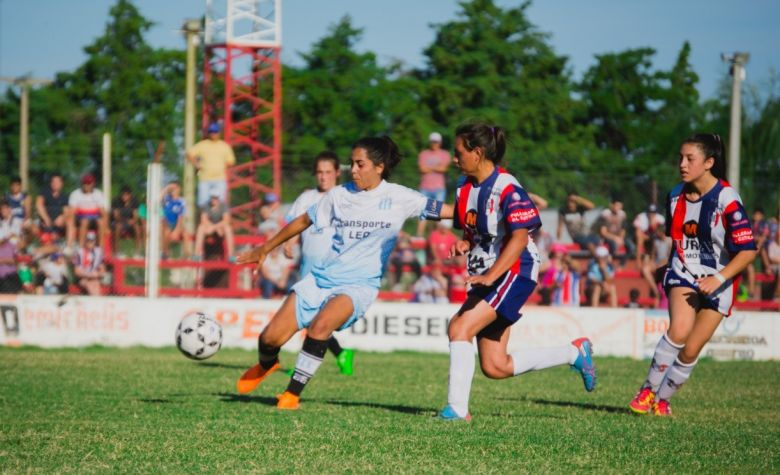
(742, 236)
(522, 216)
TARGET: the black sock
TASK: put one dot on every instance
(334, 346)
(268, 355)
(309, 359)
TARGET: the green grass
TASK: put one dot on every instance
(147, 410)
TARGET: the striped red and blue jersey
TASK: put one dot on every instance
(488, 213)
(706, 233)
(88, 259)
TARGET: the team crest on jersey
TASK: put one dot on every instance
(471, 218)
(691, 229)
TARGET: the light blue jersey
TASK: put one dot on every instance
(365, 227)
(315, 242)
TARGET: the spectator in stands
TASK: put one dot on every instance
(125, 220)
(645, 225)
(21, 205)
(88, 212)
(773, 253)
(88, 267)
(440, 242)
(561, 281)
(214, 220)
(271, 215)
(433, 163)
(431, 287)
(52, 277)
(173, 230)
(10, 229)
(572, 217)
(276, 275)
(761, 234)
(403, 258)
(612, 229)
(211, 157)
(52, 207)
(633, 299)
(662, 248)
(601, 278)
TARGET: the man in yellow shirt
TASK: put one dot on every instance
(211, 157)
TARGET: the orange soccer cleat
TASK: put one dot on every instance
(288, 400)
(253, 377)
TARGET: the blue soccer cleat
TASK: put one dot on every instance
(584, 362)
(449, 414)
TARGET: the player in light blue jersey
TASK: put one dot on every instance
(496, 216)
(316, 242)
(366, 216)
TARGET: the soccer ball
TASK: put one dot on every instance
(198, 336)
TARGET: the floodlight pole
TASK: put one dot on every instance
(192, 31)
(738, 61)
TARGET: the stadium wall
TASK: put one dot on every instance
(123, 321)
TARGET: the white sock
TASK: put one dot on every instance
(677, 375)
(534, 359)
(461, 373)
(664, 356)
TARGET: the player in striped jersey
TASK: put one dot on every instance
(712, 244)
(496, 216)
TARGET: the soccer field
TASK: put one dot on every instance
(151, 410)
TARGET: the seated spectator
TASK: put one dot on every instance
(601, 279)
(276, 274)
(10, 283)
(612, 228)
(88, 212)
(214, 220)
(88, 268)
(562, 280)
(662, 248)
(440, 242)
(21, 206)
(174, 208)
(645, 225)
(271, 215)
(403, 256)
(125, 221)
(431, 287)
(761, 233)
(773, 254)
(52, 277)
(52, 207)
(10, 225)
(572, 217)
(633, 299)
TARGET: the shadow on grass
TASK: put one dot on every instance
(230, 397)
(580, 405)
(158, 401)
(387, 407)
(213, 364)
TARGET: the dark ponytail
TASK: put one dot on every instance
(711, 145)
(491, 139)
(381, 151)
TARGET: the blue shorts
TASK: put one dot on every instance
(436, 195)
(310, 298)
(507, 296)
(721, 301)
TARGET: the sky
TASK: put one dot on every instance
(42, 37)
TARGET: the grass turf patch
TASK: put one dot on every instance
(152, 410)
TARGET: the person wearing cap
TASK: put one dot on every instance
(645, 225)
(88, 211)
(270, 212)
(211, 157)
(88, 268)
(601, 278)
(214, 220)
(433, 162)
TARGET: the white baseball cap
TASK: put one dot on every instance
(434, 137)
(602, 251)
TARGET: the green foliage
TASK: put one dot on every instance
(147, 410)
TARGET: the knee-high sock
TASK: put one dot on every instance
(533, 359)
(461, 373)
(677, 375)
(665, 354)
(334, 346)
(267, 355)
(309, 360)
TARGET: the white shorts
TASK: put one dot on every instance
(207, 188)
(310, 298)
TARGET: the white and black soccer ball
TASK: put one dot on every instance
(198, 336)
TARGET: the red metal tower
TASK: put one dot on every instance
(242, 89)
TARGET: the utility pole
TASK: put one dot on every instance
(738, 61)
(24, 83)
(192, 31)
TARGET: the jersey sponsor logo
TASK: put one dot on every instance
(691, 228)
(522, 215)
(471, 218)
(742, 236)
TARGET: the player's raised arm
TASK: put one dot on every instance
(293, 228)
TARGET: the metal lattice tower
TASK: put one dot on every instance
(242, 88)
